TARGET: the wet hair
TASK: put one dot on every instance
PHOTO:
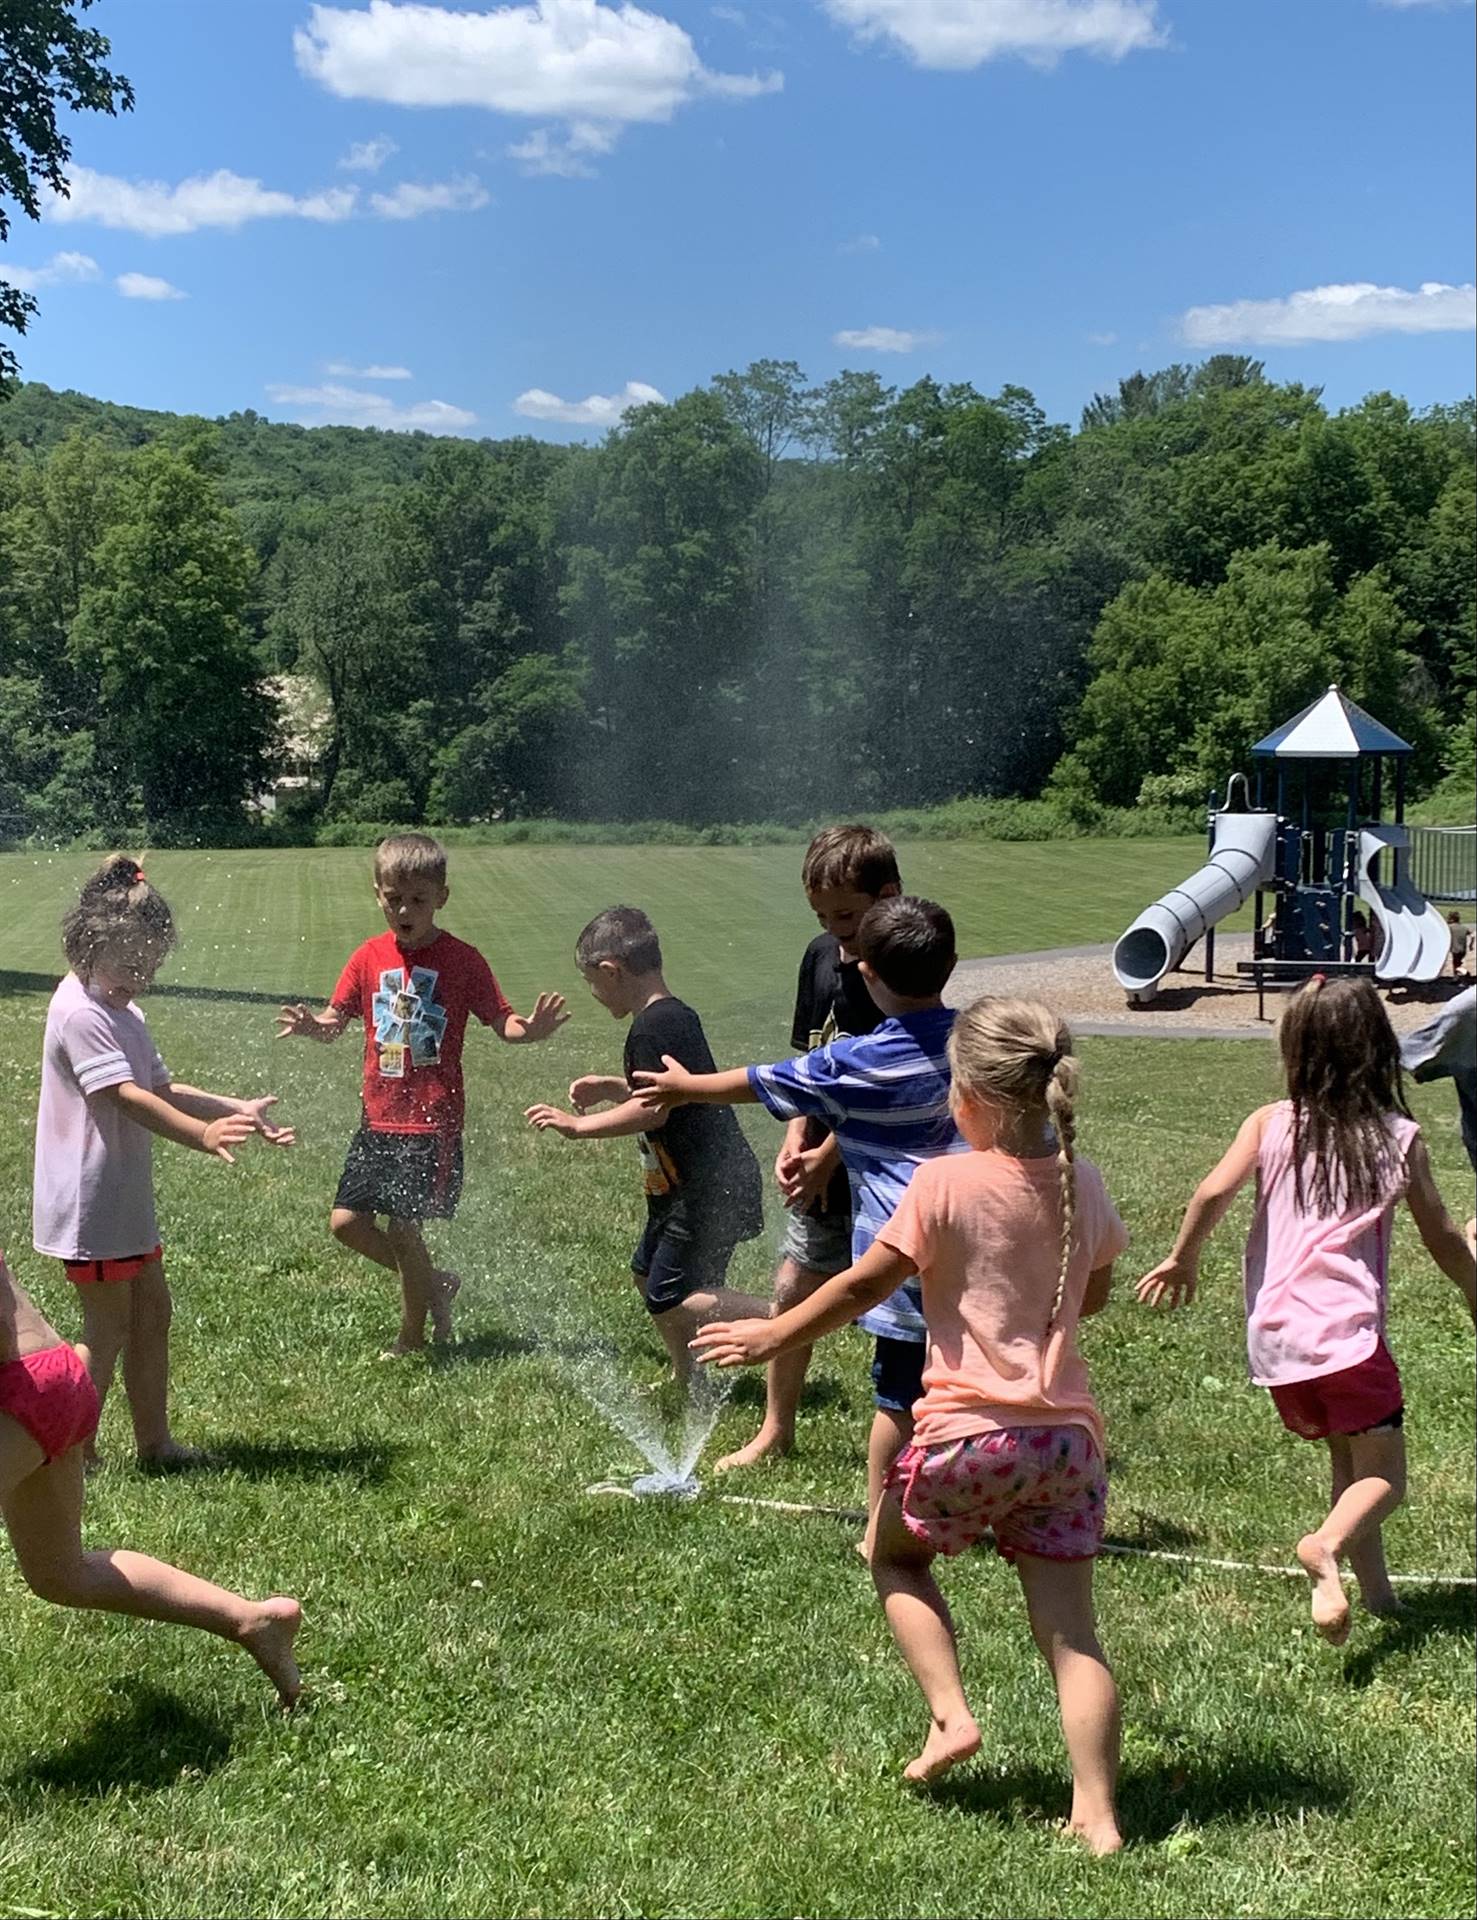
(410, 856)
(909, 944)
(117, 905)
(1017, 1053)
(622, 934)
(857, 858)
(1342, 1063)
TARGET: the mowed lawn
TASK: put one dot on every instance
(526, 1700)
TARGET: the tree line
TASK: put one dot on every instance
(765, 601)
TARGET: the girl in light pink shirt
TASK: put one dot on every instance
(1014, 1243)
(1331, 1162)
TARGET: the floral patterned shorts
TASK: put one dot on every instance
(1038, 1490)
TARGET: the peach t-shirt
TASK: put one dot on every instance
(984, 1230)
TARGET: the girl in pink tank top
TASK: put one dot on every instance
(1331, 1163)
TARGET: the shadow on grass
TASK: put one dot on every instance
(142, 1743)
(1432, 1612)
(1155, 1801)
(365, 1461)
(12, 981)
(1152, 1535)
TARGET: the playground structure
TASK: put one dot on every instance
(1319, 850)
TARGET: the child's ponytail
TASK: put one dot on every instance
(1014, 1052)
(117, 902)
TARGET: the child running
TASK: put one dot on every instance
(1014, 1241)
(885, 1097)
(413, 988)
(1330, 1163)
(703, 1192)
(104, 1093)
(48, 1414)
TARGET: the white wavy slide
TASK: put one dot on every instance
(1417, 943)
(1240, 861)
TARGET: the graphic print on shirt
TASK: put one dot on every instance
(408, 1020)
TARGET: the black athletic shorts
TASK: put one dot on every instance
(897, 1373)
(409, 1176)
(673, 1260)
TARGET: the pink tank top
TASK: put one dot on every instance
(1315, 1283)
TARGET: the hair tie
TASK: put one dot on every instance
(1317, 979)
(138, 876)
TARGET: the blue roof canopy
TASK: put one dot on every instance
(1332, 728)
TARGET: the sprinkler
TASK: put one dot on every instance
(666, 1486)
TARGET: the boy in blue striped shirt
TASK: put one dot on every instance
(885, 1096)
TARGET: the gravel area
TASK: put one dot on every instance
(1079, 981)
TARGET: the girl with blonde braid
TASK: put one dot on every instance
(1014, 1244)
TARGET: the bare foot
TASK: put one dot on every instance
(403, 1348)
(269, 1641)
(1330, 1602)
(445, 1286)
(945, 1747)
(1100, 1836)
(1384, 1606)
(173, 1459)
(766, 1444)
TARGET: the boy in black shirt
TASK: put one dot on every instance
(703, 1191)
(846, 870)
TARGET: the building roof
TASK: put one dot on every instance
(1332, 728)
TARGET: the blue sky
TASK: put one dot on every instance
(499, 219)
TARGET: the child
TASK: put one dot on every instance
(1014, 1240)
(1330, 1161)
(1460, 936)
(104, 1092)
(413, 988)
(846, 870)
(48, 1414)
(703, 1193)
(885, 1095)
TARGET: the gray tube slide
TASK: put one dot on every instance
(1240, 861)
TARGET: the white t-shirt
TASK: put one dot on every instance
(94, 1185)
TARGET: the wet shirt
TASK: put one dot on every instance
(698, 1167)
(94, 1176)
(831, 1003)
(415, 1003)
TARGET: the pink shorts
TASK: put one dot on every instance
(50, 1395)
(1038, 1490)
(82, 1272)
(1350, 1401)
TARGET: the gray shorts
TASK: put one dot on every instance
(821, 1243)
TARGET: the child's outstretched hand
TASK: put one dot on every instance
(227, 1132)
(548, 1016)
(734, 1343)
(295, 1022)
(256, 1112)
(660, 1091)
(552, 1120)
(1171, 1284)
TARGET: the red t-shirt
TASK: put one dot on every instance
(414, 1004)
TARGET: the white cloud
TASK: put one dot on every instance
(147, 286)
(595, 410)
(351, 407)
(342, 371)
(882, 339)
(964, 33)
(1423, 3)
(861, 243)
(220, 199)
(61, 266)
(408, 201)
(368, 156)
(576, 61)
(566, 156)
(1101, 339)
(1347, 312)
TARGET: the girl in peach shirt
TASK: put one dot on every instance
(1014, 1243)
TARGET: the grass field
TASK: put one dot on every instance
(527, 1701)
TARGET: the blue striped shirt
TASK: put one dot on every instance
(885, 1096)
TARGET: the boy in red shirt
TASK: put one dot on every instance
(413, 987)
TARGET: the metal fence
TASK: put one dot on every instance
(1443, 862)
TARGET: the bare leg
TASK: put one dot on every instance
(423, 1289)
(891, 1432)
(43, 1513)
(146, 1368)
(784, 1378)
(917, 1613)
(1366, 1555)
(1059, 1602)
(362, 1234)
(107, 1313)
(677, 1326)
(1376, 1486)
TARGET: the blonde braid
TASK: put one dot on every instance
(1061, 1093)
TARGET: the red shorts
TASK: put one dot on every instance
(83, 1271)
(1350, 1401)
(50, 1395)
